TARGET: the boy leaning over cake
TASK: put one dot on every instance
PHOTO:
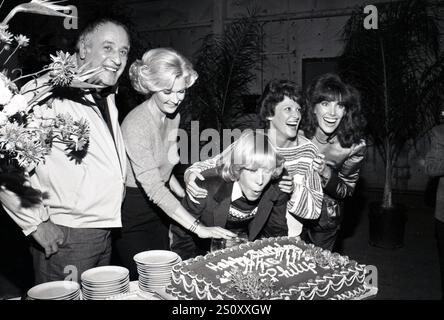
(243, 196)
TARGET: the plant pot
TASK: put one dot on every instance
(386, 226)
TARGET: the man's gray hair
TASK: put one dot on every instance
(94, 25)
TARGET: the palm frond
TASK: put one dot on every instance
(404, 51)
(225, 64)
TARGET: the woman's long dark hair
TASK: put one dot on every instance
(330, 87)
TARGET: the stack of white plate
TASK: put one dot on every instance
(55, 290)
(103, 282)
(154, 268)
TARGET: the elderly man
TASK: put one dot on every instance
(71, 226)
(434, 166)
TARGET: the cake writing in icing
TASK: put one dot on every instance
(271, 262)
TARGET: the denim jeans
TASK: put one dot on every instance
(82, 249)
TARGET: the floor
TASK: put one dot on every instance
(407, 273)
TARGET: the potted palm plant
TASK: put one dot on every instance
(398, 68)
(226, 64)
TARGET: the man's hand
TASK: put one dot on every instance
(17, 191)
(193, 190)
(49, 236)
(286, 184)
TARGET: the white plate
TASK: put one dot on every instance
(101, 291)
(156, 284)
(159, 272)
(72, 297)
(155, 269)
(92, 295)
(151, 280)
(103, 275)
(154, 275)
(156, 265)
(53, 290)
(105, 293)
(156, 257)
(105, 284)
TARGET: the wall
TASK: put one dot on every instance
(294, 30)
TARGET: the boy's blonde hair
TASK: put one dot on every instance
(253, 150)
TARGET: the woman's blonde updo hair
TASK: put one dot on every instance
(158, 70)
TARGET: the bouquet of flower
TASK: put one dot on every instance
(28, 126)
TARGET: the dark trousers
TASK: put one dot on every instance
(144, 227)
(82, 249)
(324, 231)
(16, 271)
(439, 231)
(324, 238)
(186, 244)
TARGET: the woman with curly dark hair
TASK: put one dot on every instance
(334, 122)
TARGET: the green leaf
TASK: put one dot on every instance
(399, 71)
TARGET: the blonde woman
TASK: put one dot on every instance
(243, 195)
(150, 131)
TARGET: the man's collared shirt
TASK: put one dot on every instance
(83, 192)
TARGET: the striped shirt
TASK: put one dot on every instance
(305, 203)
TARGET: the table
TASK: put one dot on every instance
(135, 293)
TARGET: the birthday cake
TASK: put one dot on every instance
(273, 268)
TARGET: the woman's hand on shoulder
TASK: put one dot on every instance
(286, 184)
(193, 190)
